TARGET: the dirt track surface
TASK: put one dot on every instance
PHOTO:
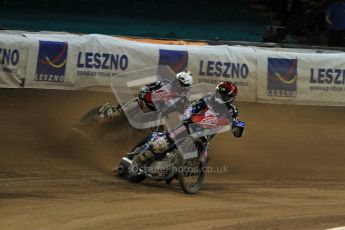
(287, 172)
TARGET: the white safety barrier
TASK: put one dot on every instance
(68, 61)
(79, 62)
(301, 78)
(13, 60)
(211, 64)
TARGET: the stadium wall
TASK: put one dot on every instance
(88, 62)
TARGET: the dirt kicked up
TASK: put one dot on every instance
(287, 172)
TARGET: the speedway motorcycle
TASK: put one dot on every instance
(102, 121)
(105, 122)
(188, 167)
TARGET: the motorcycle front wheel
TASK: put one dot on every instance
(191, 173)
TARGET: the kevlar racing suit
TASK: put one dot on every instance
(203, 107)
(165, 96)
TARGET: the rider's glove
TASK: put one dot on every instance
(183, 117)
(142, 92)
(187, 114)
(236, 128)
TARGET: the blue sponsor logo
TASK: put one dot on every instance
(51, 62)
(282, 77)
(175, 59)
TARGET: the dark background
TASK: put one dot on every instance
(236, 20)
(201, 20)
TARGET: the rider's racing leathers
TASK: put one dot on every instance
(165, 96)
(204, 106)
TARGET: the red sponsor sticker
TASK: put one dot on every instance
(160, 95)
(209, 120)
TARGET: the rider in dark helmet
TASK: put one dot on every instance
(225, 95)
(219, 104)
(227, 92)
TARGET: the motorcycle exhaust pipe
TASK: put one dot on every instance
(126, 160)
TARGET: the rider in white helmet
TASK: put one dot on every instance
(185, 78)
(167, 95)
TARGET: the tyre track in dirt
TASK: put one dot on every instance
(287, 172)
